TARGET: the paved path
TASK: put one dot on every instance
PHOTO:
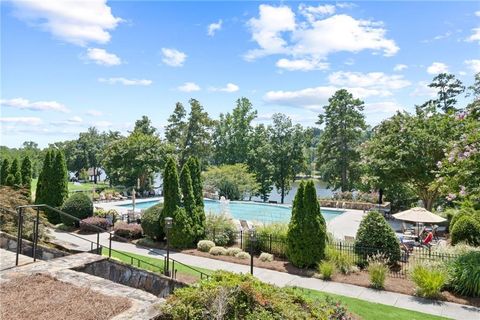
(445, 309)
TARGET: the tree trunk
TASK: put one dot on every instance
(95, 175)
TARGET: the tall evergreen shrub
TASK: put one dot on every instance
(4, 172)
(15, 172)
(26, 171)
(306, 235)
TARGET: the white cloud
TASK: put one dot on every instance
(189, 87)
(377, 80)
(473, 64)
(94, 113)
(74, 21)
(475, 36)
(400, 67)
(315, 98)
(173, 57)
(301, 64)
(477, 13)
(230, 87)
(21, 103)
(31, 121)
(76, 120)
(277, 31)
(267, 29)
(126, 82)
(214, 27)
(462, 73)
(102, 57)
(437, 67)
(423, 90)
(313, 13)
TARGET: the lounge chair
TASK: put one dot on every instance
(244, 225)
(406, 229)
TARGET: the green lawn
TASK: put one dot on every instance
(75, 187)
(372, 311)
(181, 269)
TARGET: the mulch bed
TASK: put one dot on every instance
(42, 297)
(361, 278)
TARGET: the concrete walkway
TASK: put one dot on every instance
(445, 309)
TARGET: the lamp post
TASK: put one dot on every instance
(168, 226)
(253, 239)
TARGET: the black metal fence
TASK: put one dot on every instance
(277, 245)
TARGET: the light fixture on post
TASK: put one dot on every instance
(168, 226)
(253, 239)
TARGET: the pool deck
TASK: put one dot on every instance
(345, 224)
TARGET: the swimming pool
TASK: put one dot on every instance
(242, 210)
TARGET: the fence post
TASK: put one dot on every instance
(270, 236)
(98, 242)
(19, 235)
(214, 239)
(110, 245)
(241, 239)
(35, 236)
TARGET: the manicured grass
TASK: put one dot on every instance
(181, 269)
(72, 187)
(370, 310)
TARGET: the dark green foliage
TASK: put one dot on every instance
(221, 229)
(307, 231)
(78, 205)
(10, 180)
(464, 274)
(46, 191)
(466, 229)
(182, 234)
(464, 211)
(127, 230)
(229, 296)
(15, 172)
(196, 176)
(171, 188)
(375, 236)
(338, 155)
(151, 222)
(26, 172)
(188, 199)
(5, 170)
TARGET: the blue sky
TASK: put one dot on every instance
(68, 65)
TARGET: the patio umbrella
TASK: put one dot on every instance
(133, 199)
(419, 215)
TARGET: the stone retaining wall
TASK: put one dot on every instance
(341, 204)
(9, 242)
(125, 274)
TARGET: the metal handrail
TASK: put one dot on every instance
(99, 230)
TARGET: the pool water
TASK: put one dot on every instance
(251, 211)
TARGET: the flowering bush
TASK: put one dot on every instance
(242, 255)
(86, 225)
(218, 251)
(233, 251)
(266, 257)
(205, 245)
(129, 231)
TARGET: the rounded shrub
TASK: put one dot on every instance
(233, 251)
(464, 274)
(218, 251)
(205, 245)
(242, 255)
(265, 257)
(88, 225)
(221, 229)
(128, 231)
(466, 229)
(78, 205)
(151, 222)
(375, 236)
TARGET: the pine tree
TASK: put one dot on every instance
(171, 188)
(5, 171)
(15, 172)
(26, 172)
(59, 181)
(196, 176)
(188, 199)
(181, 235)
(306, 232)
(43, 180)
